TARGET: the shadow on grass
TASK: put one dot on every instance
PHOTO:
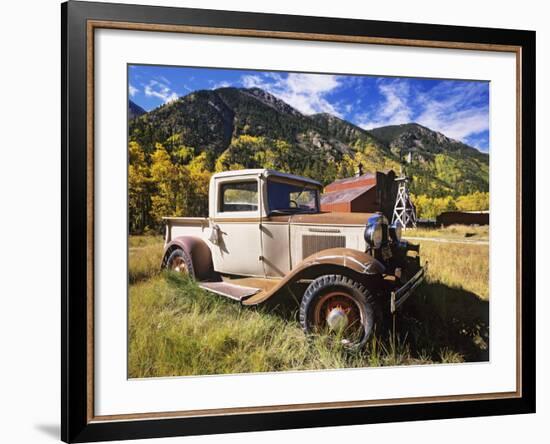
(439, 317)
(438, 323)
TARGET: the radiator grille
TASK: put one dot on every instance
(313, 244)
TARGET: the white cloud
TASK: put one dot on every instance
(132, 90)
(457, 125)
(161, 91)
(479, 141)
(393, 110)
(305, 92)
(222, 84)
(457, 112)
(164, 80)
(251, 81)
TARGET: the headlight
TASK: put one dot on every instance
(374, 235)
(395, 232)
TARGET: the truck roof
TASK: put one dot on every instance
(266, 172)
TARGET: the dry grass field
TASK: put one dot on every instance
(144, 257)
(452, 232)
(175, 328)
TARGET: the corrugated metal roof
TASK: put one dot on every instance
(365, 176)
(346, 195)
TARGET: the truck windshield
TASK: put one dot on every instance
(291, 198)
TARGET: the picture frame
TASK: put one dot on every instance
(80, 20)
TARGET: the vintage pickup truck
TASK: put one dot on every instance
(266, 234)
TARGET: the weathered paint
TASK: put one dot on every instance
(323, 262)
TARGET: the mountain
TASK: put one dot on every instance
(134, 110)
(417, 138)
(440, 165)
(343, 130)
(231, 128)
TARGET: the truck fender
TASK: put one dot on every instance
(330, 261)
(197, 250)
(358, 261)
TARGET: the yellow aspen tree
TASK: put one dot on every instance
(138, 195)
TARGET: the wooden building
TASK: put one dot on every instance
(463, 218)
(365, 193)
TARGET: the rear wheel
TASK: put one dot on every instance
(180, 262)
(340, 306)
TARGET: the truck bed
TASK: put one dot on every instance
(186, 226)
(186, 220)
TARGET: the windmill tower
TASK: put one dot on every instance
(403, 211)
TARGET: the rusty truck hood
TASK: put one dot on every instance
(329, 218)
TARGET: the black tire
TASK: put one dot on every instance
(320, 292)
(180, 262)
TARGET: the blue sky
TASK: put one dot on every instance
(459, 109)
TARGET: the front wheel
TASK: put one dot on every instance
(339, 305)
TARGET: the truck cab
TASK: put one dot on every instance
(250, 211)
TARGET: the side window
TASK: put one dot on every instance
(239, 196)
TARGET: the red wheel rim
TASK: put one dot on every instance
(339, 306)
(178, 265)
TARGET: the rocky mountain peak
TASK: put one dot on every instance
(134, 110)
(271, 101)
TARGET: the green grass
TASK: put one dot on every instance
(144, 257)
(176, 328)
(145, 240)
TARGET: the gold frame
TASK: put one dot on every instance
(92, 25)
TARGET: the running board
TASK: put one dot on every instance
(232, 291)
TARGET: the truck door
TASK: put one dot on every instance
(237, 220)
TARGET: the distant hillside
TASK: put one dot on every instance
(344, 131)
(440, 165)
(233, 128)
(417, 138)
(134, 110)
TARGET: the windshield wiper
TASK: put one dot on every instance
(292, 210)
(281, 211)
